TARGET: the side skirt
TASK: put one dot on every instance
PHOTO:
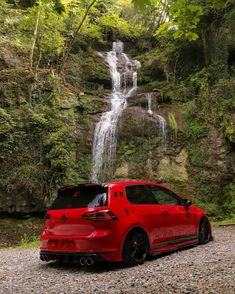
(175, 244)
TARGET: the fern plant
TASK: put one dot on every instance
(173, 125)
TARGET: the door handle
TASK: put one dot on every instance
(164, 212)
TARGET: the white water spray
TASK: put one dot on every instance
(161, 120)
(149, 97)
(123, 72)
(162, 129)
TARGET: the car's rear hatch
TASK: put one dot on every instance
(68, 214)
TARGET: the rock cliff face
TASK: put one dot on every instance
(200, 166)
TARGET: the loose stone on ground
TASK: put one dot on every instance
(207, 269)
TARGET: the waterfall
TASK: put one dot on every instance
(149, 97)
(162, 128)
(161, 120)
(123, 72)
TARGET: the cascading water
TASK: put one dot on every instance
(123, 72)
(162, 128)
(149, 97)
(161, 120)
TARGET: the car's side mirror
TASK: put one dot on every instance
(187, 202)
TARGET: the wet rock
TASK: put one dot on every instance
(137, 122)
(142, 100)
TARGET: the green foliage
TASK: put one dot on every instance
(37, 143)
(182, 21)
(27, 242)
(141, 4)
(38, 149)
(219, 4)
(185, 19)
(20, 232)
(173, 125)
(225, 221)
(227, 200)
(222, 95)
(8, 17)
(58, 154)
(217, 102)
(83, 168)
(54, 134)
(148, 14)
(5, 8)
(152, 66)
(113, 20)
(59, 6)
(26, 177)
(197, 129)
(49, 39)
(7, 134)
(120, 18)
(204, 188)
(198, 154)
(129, 151)
(210, 208)
(230, 132)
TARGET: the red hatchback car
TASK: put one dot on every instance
(122, 221)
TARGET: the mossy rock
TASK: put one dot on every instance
(15, 86)
(152, 67)
(141, 100)
(88, 71)
(92, 105)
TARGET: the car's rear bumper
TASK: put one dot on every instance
(104, 247)
(71, 257)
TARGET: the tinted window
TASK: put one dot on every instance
(164, 196)
(140, 194)
(81, 197)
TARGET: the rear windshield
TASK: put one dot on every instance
(81, 197)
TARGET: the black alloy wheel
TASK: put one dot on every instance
(135, 248)
(204, 235)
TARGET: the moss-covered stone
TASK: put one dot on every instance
(88, 70)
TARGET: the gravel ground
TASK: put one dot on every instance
(201, 269)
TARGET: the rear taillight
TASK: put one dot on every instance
(100, 215)
(47, 217)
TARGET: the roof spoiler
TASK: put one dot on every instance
(67, 187)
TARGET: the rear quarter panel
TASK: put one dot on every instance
(127, 216)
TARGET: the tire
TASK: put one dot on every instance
(136, 247)
(204, 233)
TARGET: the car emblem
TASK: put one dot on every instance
(64, 218)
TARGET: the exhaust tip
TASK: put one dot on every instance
(45, 257)
(86, 261)
(89, 261)
(82, 261)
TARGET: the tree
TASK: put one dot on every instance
(71, 41)
(183, 15)
(43, 21)
(35, 34)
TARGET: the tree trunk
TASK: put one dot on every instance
(35, 33)
(72, 39)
